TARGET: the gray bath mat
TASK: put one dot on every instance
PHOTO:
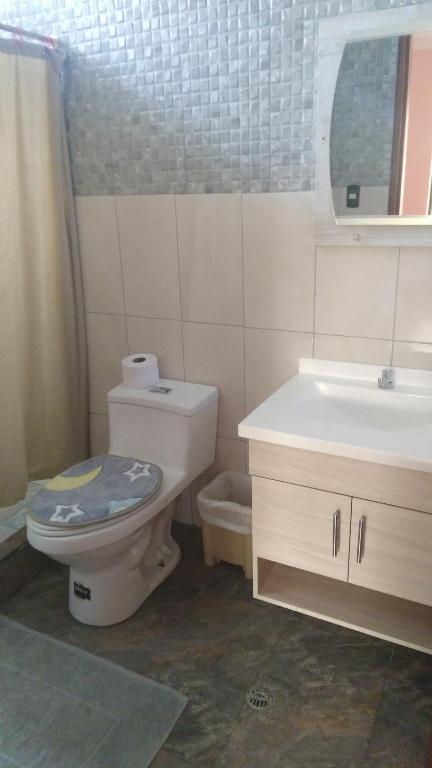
(61, 707)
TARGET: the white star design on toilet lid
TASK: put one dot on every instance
(60, 516)
(138, 470)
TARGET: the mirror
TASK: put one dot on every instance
(381, 128)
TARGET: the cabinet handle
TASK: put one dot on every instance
(360, 538)
(336, 519)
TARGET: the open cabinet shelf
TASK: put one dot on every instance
(364, 610)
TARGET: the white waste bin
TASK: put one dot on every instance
(226, 519)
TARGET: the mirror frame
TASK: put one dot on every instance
(334, 33)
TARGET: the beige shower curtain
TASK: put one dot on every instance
(43, 390)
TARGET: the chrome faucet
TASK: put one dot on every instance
(387, 379)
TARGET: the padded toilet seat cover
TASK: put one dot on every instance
(96, 490)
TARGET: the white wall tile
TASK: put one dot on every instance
(414, 300)
(107, 345)
(210, 251)
(230, 454)
(148, 247)
(355, 291)
(355, 301)
(353, 350)
(409, 354)
(279, 260)
(160, 337)
(271, 359)
(214, 354)
(100, 255)
(99, 434)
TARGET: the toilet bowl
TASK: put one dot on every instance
(117, 560)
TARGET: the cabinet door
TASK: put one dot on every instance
(391, 550)
(301, 527)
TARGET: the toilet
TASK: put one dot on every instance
(109, 518)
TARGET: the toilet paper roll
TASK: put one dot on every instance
(140, 370)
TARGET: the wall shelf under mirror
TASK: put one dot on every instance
(374, 134)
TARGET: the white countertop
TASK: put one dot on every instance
(337, 408)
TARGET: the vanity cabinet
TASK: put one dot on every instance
(302, 527)
(378, 546)
(363, 562)
(391, 550)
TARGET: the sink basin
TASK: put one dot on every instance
(368, 408)
(337, 408)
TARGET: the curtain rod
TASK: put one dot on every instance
(34, 35)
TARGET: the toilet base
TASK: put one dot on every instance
(109, 594)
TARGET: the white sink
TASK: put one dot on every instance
(337, 408)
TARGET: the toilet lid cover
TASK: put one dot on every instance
(96, 490)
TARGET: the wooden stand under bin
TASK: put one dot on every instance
(229, 546)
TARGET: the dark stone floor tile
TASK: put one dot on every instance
(43, 603)
(243, 590)
(402, 734)
(205, 725)
(256, 741)
(224, 578)
(412, 668)
(236, 666)
(18, 569)
(143, 633)
(325, 726)
(219, 616)
(327, 682)
(189, 538)
(185, 583)
(402, 731)
(203, 633)
(312, 652)
(221, 640)
(166, 759)
(217, 641)
(227, 579)
(204, 728)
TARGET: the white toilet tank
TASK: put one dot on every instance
(172, 424)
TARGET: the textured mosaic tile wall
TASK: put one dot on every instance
(363, 113)
(188, 95)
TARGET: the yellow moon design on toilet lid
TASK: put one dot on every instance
(63, 483)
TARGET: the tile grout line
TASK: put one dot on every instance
(245, 707)
(108, 133)
(187, 491)
(395, 305)
(125, 315)
(314, 300)
(179, 286)
(256, 328)
(381, 697)
(136, 317)
(183, 185)
(250, 327)
(244, 304)
(241, 440)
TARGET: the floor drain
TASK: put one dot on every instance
(259, 698)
